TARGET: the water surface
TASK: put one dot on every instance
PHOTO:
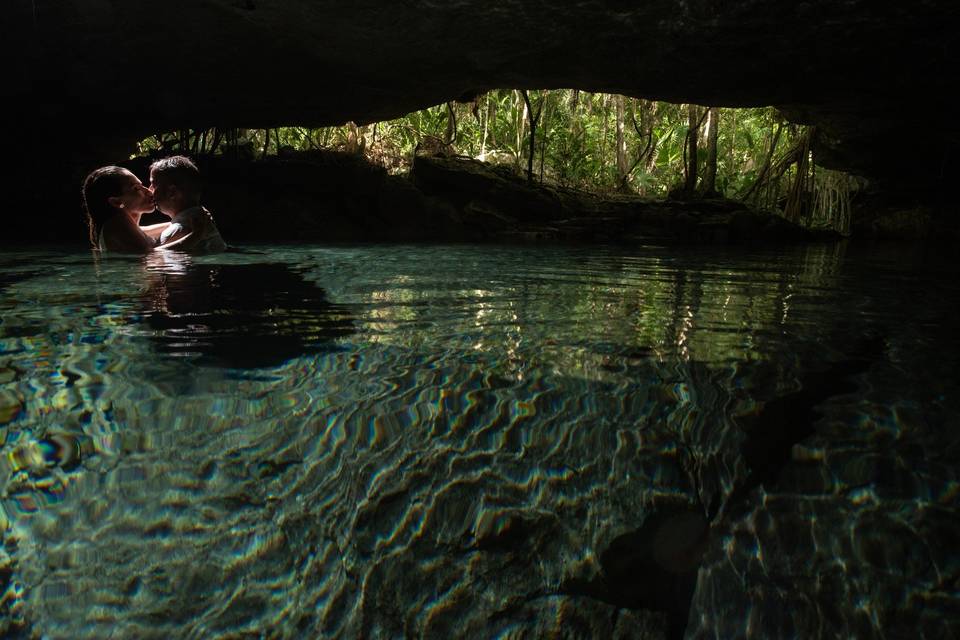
(479, 441)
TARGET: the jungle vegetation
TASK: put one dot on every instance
(602, 143)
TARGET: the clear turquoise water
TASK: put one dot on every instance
(480, 442)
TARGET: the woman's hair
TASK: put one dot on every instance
(104, 183)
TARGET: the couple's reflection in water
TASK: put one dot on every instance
(235, 315)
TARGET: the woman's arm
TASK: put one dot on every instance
(173, 244)
(153, 231)
(173, 231)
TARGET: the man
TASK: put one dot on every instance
(175, 184)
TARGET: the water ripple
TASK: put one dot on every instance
(441, 441)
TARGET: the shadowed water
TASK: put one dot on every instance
(479, 442)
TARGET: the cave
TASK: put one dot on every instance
(455, 404)
(85, 82)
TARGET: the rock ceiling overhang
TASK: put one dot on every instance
(874, 76)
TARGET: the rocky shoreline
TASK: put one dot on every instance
(325, 196)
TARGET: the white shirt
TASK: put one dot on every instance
(199, 222)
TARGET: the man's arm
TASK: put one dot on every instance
(176, 242)
(174, 231)
(153, 231)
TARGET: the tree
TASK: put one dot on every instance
(802, 188)
(450, 136)
(709, 187)
(693, 125)
(623, 172)
(765, 169)
(532, 119)
(593, 141)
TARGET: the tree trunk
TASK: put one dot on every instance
(266, 143)
(354, 144)
(649, 112)
(710, 171)
(693, 118)
(217, 137)
(802, 184)
(762, 175)
(622, 165)
(451, 134)
(521, 125)
(602, 151)
(486, 128)
(544, 117)
(532, 118)
(732, 166)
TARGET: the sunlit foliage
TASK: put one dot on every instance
(575, 146)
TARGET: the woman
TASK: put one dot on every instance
(115, 199)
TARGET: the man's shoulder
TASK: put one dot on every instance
(190, 214)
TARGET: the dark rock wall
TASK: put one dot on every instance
(323, 196)
(83, 80)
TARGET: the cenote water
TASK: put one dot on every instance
(479, 442)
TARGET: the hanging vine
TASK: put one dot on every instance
(833, 191)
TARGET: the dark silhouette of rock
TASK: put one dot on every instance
(653, 568)
(789, 419)
(855, 69)
(492, 204)
(852, 68)
(325, 196)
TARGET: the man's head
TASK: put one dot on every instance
(175, 183)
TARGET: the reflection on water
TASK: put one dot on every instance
(237, 315)
(480, 441)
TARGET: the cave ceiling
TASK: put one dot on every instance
(873, 76)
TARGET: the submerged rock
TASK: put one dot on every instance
(653, 568)
(10, 405)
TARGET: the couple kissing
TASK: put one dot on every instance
(115, 200)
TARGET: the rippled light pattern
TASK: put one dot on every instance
(460, 441)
